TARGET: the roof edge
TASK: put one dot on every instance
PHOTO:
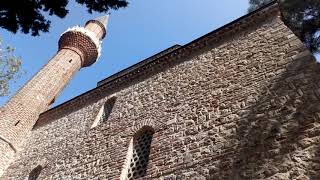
(176, 46)
(137, 65)
(262, 8)
(103, 90)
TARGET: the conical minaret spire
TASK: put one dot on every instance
(78, 47)
(103, 19)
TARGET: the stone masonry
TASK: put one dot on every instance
(78, 47)
(241, 102)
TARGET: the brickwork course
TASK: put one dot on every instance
(238, 103)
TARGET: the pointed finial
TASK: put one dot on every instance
(103, 20)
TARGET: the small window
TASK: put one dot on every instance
(137, 168)
(108, 106)
(104, 112)
(34, 174)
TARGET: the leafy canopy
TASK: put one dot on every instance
(302, 17)
(10, 68)
(28, 15)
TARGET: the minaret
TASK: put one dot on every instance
(78, 47)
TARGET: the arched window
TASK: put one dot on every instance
(104, 112)
(137, 165)
(34, 174)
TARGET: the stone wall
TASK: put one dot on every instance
(245, 108)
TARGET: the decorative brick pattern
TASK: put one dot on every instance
(244, 106)
(81, 44)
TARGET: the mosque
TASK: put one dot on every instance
(241, 102)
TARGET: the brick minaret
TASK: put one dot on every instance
(78, 47)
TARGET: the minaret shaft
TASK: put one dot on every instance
(22, 111)
(78, 47)
(37, 94)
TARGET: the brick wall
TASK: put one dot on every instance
(244, 108)
(78, 47)
(23, 109)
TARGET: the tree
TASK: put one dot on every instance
(28, 15)
(10, 68)
(302, 17)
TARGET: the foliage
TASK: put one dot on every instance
(302, 17)
(28, 15)
(255, 4)
(10, 68)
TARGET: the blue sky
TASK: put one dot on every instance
(142, 29)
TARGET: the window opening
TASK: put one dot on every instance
(104, 112)
(34, 174)
(108, 106)
(16, 123)
(137, 167)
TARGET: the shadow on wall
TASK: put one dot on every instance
(279, 134)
